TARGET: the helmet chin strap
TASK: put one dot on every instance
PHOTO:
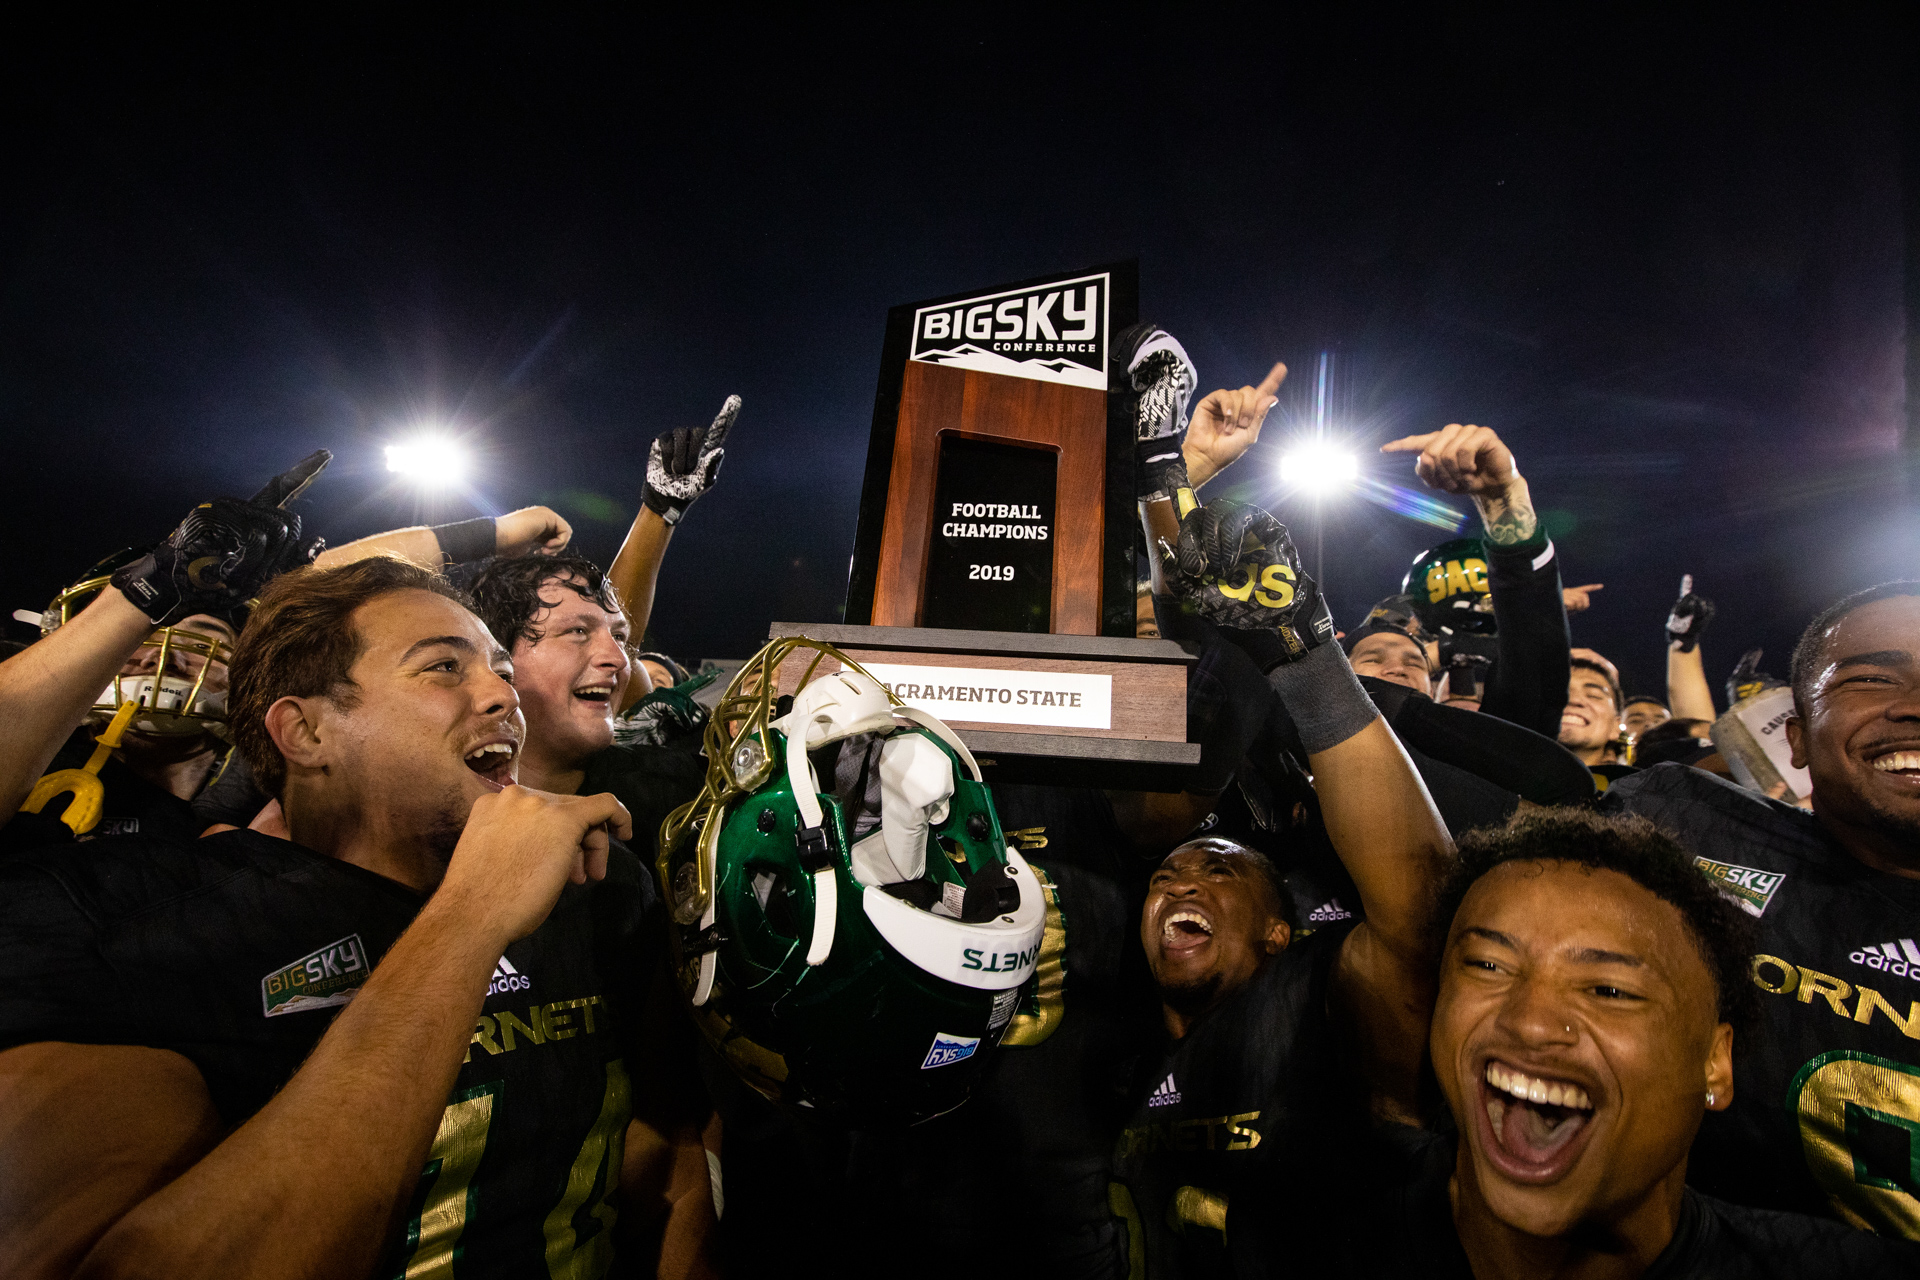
(815, 848)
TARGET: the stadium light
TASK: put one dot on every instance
(429, 460)
(1319, 468)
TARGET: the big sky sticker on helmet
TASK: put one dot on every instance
(1051, 332)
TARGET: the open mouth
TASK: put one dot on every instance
(1535, 1123)
(1572, 720)
(599, 694)
(1901, 764)
(493, 761)
(1185, 931)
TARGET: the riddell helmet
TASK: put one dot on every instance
(185, 691)
(1449, 587)
(849, 923)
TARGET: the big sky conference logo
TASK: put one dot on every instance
(1052, 332)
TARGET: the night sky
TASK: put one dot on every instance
(1663, 261)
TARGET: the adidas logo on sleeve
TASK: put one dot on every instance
(1901, 958)
(507, 978)
(1166, 1095)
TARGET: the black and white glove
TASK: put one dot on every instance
(1236, 567)
(224, 551)
(684, 462)
(1163, 381)
(1690, 616)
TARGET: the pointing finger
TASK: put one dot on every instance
(722, 423)
(292, 482)
(1408, 444)
(1591, 586)
(1275, 376)
(1686, 584)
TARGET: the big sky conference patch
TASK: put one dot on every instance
(321, 980)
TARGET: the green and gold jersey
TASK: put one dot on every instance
(236, 951)
(1256, 1078)
(1826, 1107)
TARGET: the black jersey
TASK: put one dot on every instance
(1826, 1105)
(1380, 1209)
(235, 951)
(130, 805)
(1040, 1125)
(651, 781)
(1256, 1076)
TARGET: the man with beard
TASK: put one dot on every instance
(1826, 1112)
(1269, 1040)
(1592, 1003)
(397, 1041)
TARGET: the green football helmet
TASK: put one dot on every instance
(1449, 587)
(848, 922)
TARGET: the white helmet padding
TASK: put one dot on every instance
(994, 956)
(916, 784)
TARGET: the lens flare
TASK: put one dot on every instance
(429, 460)
(1319, 467)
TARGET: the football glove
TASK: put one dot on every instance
(683, 463)
(225, 551)
(1163, 381)
(1747, 678)
(1690, 616)
(1236, 567)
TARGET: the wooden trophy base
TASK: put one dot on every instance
(1053, 710)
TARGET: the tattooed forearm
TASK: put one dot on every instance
(1509, 517)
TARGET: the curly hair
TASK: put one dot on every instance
(508, 591)
(1644, 854)
(300, 642)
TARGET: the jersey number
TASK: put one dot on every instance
(1860, 1128)
(433, 1239)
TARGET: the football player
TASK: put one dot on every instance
(1506, 583)
(399, 1041)
(1269, 1039)
(1826, 1107)
(1593, 1003)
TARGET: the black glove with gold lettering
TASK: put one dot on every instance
(1236, 566)
(224, 551)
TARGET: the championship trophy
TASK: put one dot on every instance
(993, 575)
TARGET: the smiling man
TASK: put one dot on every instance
(1590, 722)
(1269, 1039)
(1592, 1002)
(564, 627)
(1826, 1113)
(398, 1041)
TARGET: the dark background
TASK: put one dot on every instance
(1663, 257)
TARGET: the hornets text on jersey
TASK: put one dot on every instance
(1826, 1104)
(237, 950)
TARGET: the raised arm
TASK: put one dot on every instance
(172, 1197)
(1689, 696)
(1237, 568)
(217, 559)
(435, 546)
(1528, 685)
(1225, 424)
(682, 466)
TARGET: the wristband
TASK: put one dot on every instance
(467, 540)
(1323, 697)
